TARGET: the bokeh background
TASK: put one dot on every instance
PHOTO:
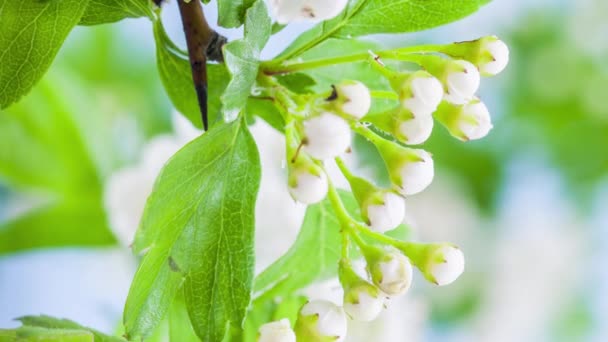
(528, 204)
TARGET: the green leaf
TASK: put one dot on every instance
(242, 59)
(81, 222)
(299, 83)
(109, 11)
(197, 230)
(232, 12)
(266, 109)
(176, 75)
(32, 33)
(364, 17)
(57, 325)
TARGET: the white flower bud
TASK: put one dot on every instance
(279, 331)
(320, 321)
(388, 215)
(462, 81)
(308, 186)
(354, 98)
(446, 265)
(363, 305)
(287, 11)
(416, 175)
(499, 54)
(327, 136)
(421, 94)
(474, 121)
(416, 130)
(393, 274)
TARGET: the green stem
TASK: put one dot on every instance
(369, 134)
(403, 54)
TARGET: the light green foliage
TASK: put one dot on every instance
(46, 328)
(32, 33)
(242, 59)
(44, 151)
(109, 11)
(232, 12)
(197, 230)
(363, 17)
(176, 75)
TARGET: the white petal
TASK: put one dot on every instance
(126, 192)
(475, 122)
(310, 188)
(416, 130)
(279, 331)
(396, 275)
(462, 85)
(427, 93)
(388, 215)
(358, 99)
(367, 309)
(159, 150)
(331, 318)
(447, 272)
(417, 175)
(327, 136)
(500, 52)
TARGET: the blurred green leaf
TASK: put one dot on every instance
(197, 230)
(71, 222)
(36, 334)
(32, 33)
(242, 59)
(176, 75)
(231, 13)
(364, 17)
(52, 325)
(41, 147)
(109, 11)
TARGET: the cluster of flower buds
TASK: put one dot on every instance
(444, 90)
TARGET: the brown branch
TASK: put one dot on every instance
(202, 41)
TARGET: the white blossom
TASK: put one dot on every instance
(279, 331)
(394, 274)
(309, 188)
(323, 319)
(416, 175)
(416, 130)
(447, 265)
(287, 11)
(421, 94)
(388, 215)
(499, 52)
(367, 306)
(326, 135)
(462, 81)
(356, 98)
(475, 121)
